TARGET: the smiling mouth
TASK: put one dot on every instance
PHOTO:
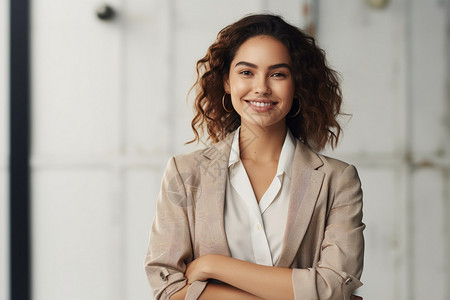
(261, 103)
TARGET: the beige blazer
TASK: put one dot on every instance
(323, 241)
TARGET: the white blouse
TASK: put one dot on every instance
(255, 230)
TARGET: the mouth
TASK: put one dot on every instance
(261, 105)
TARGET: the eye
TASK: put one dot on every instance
(278, 74)
(246, 73)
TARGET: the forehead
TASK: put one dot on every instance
(264, 50)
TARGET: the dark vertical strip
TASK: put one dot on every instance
(19, 141)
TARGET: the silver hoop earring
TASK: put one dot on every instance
(298, 111)
(223, 103)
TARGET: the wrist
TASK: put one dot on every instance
(215, 263)
(209, 265)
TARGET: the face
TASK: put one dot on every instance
(261, 83)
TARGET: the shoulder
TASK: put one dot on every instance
(331, 164)
(214, 155)
(183, 171)
(310, 158)
(340, 180)
(332, 168)
(338, 172)
(188, 162)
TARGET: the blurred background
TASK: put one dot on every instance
(107, 108)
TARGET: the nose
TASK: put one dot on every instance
(261, 86)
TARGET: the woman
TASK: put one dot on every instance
(259, 214)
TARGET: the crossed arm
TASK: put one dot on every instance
(245, 280)
(242, 280)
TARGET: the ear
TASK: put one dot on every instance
(226, 83)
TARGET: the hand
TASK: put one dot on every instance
(199, 268)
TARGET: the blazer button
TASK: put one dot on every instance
(348, 280)
(163, 277)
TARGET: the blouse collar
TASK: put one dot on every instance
(286, 155)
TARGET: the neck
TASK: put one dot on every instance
(261, 144)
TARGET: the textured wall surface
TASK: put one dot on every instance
(109, 108)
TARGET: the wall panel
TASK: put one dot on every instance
(76, 235)
(366, 46)
(429, 77)
(292, 11)
(75, 80)
(146, 79)
(429, 203)
(76, 132)
(384, 215)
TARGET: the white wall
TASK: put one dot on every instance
(429, 141)
(77, 222)
(109, 109)
(4, 125)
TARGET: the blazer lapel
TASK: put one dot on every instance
(214, 172)
(305, 188)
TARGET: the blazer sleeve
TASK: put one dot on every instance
(170, 244)
(337, 273)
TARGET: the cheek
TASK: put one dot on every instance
(286, 91)
(238, 86)
(291, 90)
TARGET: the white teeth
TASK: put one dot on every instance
(261, 104)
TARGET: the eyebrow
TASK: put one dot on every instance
(276, 66)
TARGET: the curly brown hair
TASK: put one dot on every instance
(317, 86)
